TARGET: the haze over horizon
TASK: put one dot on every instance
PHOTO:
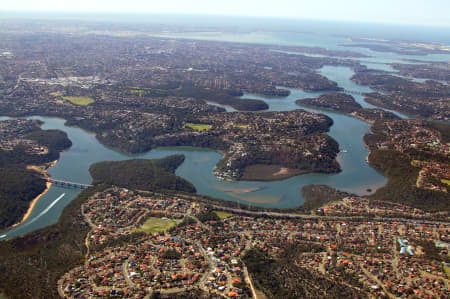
(411, 12)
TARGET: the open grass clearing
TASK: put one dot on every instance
(82, 101)
(156, 225)
(446, 182)
(198, 127)
(447, 271)
(242, 126)
(139, 92)
(223, 215)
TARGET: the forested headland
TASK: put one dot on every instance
(141, 174)
(19, 185)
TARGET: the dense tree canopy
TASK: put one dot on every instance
(141, 174)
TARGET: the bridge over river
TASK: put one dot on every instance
(68, 184)
(354, 92)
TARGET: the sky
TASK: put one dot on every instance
(419, 12)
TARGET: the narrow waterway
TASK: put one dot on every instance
(356, 176)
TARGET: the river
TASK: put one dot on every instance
(356, 176)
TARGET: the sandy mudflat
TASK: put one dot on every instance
(282, 171)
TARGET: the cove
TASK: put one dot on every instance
(73, 165)
(356, 176)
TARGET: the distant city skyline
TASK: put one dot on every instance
(418, 12)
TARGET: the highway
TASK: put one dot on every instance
(310, 217)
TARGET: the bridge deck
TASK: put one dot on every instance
(354, 92)
(68, 183)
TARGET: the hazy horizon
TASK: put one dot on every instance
(402, 12)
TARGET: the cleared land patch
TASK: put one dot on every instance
(198, 127)
(156, 225)
(242, 126)
(83, 101)
(223, 215)
(447, 271)
(260, 172)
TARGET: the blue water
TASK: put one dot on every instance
(357, 176)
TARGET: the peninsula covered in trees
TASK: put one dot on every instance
(170, 91)
(346, 103)
(414, 155)
(137, 92)
(23, 144)
(140, 174)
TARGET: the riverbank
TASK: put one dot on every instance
(43, 171)
(32, 204)
(199, 165)
(69, 233)
(402, 175)
(267, 173)
(318, 196)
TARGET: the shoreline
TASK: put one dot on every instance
(275, 178)
(42, 170)
(31, 207)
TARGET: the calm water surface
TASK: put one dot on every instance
(356, 176)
